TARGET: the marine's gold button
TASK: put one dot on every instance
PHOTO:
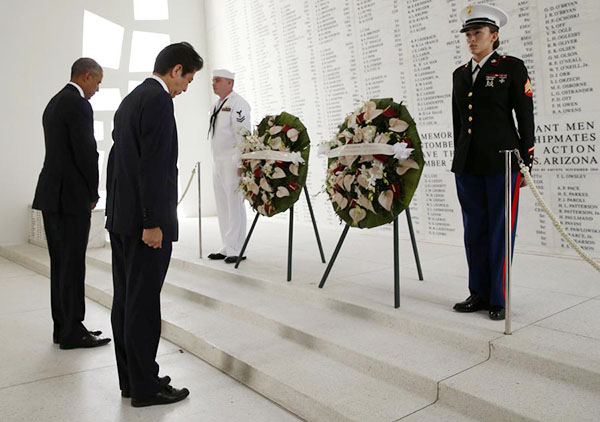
(469, 131)
(470, 118)
(470, 94)
(470, 106)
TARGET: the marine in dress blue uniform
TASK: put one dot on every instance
(486, 92)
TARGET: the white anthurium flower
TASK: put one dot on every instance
(346, 134)
(253, 187)
(275, 142)
(339, 179)
(377, 169)
(382, 138)
(261, 209)
(265, 185)
(364, 202)
(401, 151)
(282, 192)
(278, 173)
(352, 122)
(254, 163)
(348, 160)
(366, 158)
(363, 181)
(274, 130)
(340, 200)
(358, 137)
(397, 125)
(357, 214)
(294, 169)
(264, 197)
(371, 111)
(348, 180)
(385, 199)
(405, 165)
(293, 134)
(368, 133)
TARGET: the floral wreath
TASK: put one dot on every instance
(375, 163)
(274, 163)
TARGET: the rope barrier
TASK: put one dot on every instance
(187, 188)
(553, 217)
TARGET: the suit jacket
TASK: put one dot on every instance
(483, 115)
(141, 180)
(68, 182)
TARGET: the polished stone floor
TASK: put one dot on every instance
(39, 382)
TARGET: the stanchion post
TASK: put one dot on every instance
(199, 210)
(507, 237)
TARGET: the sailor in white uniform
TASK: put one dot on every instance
(230, 119)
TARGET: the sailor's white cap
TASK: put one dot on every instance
(223, 73)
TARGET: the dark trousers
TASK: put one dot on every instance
(138, 275)
(67, 237)
(482, 202)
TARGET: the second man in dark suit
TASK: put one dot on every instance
(66, 193)
(141, 214)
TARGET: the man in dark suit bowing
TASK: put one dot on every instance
(141, 214)
(66, 193)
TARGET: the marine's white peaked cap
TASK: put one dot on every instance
(482, 14)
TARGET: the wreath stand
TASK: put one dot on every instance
(290, 236)
(396, 256)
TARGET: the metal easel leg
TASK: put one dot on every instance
(314, 223)
(414, 243)
(290, 243)
(334, 256)
(237, 263)
(396, 266)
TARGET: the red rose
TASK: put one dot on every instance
(257, 172)
(338, 168)
(360, 119)
(408, 142)
(285, 128)
(293, 185)
(281, 164)
(389, 112)
(381, 157)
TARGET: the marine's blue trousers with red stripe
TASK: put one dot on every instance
(482, 201)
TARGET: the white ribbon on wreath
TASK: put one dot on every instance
(399, 150)
(291, 157)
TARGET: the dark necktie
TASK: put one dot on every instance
(477, 67)
(213, 118)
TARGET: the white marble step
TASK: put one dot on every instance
(304, 350)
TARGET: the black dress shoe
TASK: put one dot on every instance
(163, 381)
(166, 395)
(216, 256)
(497, 313)
(86, 342)
(95, 333)
(233, 259)
(472, 304)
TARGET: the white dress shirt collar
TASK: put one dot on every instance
(481, 63)
(78, 88)
(161, 82)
